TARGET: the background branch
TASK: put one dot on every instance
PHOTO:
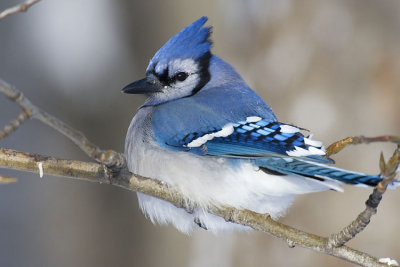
(14, 124)
(18, 8)
(108, 157)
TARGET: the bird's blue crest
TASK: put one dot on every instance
(192, 42)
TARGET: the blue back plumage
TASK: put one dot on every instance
(192, 42)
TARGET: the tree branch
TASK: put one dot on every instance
(94, 172)
(18, 8)
(112, 169)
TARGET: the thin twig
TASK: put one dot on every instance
(7, 180)
(18, 8)
(388, 172)
(337, 146)
(262, 222)
(14, 124)
(355, 227)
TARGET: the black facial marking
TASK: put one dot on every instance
(204, 64)
(163, 77)
(205, 76)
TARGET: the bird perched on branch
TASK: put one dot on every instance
(204, 131)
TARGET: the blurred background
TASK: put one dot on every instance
(329, 66)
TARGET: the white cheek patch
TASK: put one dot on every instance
(224, 132)
(188, 84)
(187, 65)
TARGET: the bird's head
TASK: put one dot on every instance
(179, 69)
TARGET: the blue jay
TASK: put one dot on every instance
(204, 131)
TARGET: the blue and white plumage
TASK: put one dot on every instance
(204, 131)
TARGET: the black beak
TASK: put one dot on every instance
(142, 86)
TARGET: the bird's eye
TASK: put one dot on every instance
(181, 76)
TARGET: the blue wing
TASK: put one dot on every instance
(276, 147)
(252, 138)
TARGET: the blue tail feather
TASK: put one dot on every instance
(304, 167)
